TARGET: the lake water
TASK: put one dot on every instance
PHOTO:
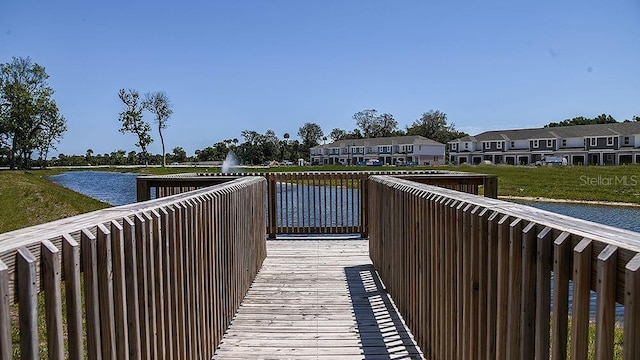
(618, 216)
(113, 188)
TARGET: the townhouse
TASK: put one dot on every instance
(598, 144)
(398, 150)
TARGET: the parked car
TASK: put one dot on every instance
(373, 162)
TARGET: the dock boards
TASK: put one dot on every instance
(317, 299)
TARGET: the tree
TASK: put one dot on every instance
(53, 126)
(159, 105)
(433, 125)
(581, 120)
(179, 154)
(131, 119)
(374, 125)
(310, 134)
(88, 155)
(29, 117)
(337, 134)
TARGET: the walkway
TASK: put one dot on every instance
(317, 299)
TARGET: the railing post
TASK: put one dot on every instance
(143, 190)
(364, 206)
(490, 185)
(273, 213)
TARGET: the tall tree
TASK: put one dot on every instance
(433, 125)
(310, 134)
(158, 104)
(132, 121)
(337, 134)
(374, 125)
(29, 117)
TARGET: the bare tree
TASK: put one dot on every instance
(132, 121)
(159, 105)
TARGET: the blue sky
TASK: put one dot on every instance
(228, 66)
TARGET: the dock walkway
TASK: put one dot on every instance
(317, 299)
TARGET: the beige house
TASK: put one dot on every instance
(398, 150)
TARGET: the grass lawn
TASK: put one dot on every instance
(590, 183)
(27, 198)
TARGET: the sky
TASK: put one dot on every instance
(236, 65)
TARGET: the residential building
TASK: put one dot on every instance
(598, 144)
(398, 150)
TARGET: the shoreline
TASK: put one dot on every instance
(568, 201)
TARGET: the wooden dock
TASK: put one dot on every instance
(317, 299)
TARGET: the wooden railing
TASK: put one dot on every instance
(154, 280)
(472, 276)
(316, 202)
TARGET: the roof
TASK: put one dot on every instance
(613, 129)
(394, 140)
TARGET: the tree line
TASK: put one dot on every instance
(31, 125)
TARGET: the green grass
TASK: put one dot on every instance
(27, 198)
(588, 183)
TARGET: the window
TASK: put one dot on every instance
(409, 148)
(513, 144)
(626, 140)
(454, 146)
(499, 145)
(535, 143)
(564, 142)
(593, 142)
(466, 145)
(549, 143)
(487, 145)
(610, 141)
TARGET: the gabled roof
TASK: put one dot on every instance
(395, 140)
(613, 129)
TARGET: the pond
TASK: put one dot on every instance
(113, 188)
(618, 216)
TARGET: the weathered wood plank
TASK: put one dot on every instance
(341, 311)
(27, 304)
(51, 276)
(5, 320)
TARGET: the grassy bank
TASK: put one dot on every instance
(584, 183)
(27, 198)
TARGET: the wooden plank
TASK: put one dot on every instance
(51, 280)
(606, 301)
(528, 293)
(514, 303)
(92, 305)
(105, 286)
(502, 313)
(5, 308)
(581, 288)
(543, 291)
(27, 304)
(142, 263)
(131, 285)
(562, 272)
(71, 268)
(631, 348)
(356, 317)
(119, 290)
(492, 284)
